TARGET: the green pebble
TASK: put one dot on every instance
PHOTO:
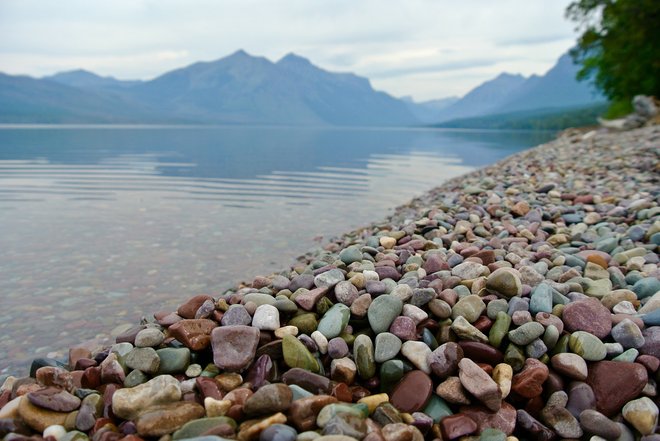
(437, 408)
(526, 333)
(515, 357)
(135, 378)
(490, 434)
(351, 254)
(470, 307)
(334, 321)
(258, 299)
(390, 373)
(299, 392)
(306, 323)
(173, 360)
(382, 312)
(363, 354)
(296, 355)
(628, 356)
(198, 427)
(499, 329)
(587, 346)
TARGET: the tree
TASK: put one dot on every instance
(619, 46)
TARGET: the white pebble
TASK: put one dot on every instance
(56, 431)
(320, 341)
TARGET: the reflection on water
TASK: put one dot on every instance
(101, 226)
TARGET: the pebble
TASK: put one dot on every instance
(480, 384)
(642, 414)
(412, 392)
(526, 295)
(128, 403)
(382, 312)
(387, 347)
(234, 347)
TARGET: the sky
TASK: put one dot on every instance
(426, 49)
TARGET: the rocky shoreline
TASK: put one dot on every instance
(520, 301)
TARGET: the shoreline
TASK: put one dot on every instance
(545, 262)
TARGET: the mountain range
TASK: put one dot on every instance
(244, 89)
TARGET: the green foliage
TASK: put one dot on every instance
(619, 109)
(618, 48)
(542, 119)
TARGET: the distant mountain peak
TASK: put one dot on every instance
(293, 58)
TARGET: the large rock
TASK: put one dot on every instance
(128, 403)
(234, 347)
(615, 383)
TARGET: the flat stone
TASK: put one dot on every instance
(167, 418)
(615, 383)
(571, 365)
(456, 426)
(127, 403)
(469, 307)
(173, 360)
(412, 392)
(480, 384)
(236, 315)
(143, 359)
(382, 312)
(468, 270)
(587, 346)
(346, 292)
(39, 418)
(296, 355)
(54, 399)
(504, 282)
(387, 347)
(642, 414)
(444, 360)
(363, 354)
(596, 423)
(417, 353)
(269, 399)
(234, 347)
(503, 420)
(587, 315)
(628, 334)
(526, 333)
(334, 321)
(452, 391)
(149, 337)
(266, 318)
(197, 428)
(193, 333)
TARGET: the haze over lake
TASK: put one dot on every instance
(101, 226)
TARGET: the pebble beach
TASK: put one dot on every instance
(520, 301)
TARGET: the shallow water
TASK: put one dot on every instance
(100, 226)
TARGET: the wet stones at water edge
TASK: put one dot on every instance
(518, 302)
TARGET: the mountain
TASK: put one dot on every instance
(485, 98)
(509, 93)
(85, 79)
(29, 100)
(237, 89)
(557, 88)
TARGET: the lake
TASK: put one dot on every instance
(100, 226)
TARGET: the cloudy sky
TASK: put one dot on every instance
(423, 48)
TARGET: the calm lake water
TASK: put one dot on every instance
(100, 226)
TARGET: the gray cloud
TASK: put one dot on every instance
(418, 47)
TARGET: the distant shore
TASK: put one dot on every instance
(522, 299)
